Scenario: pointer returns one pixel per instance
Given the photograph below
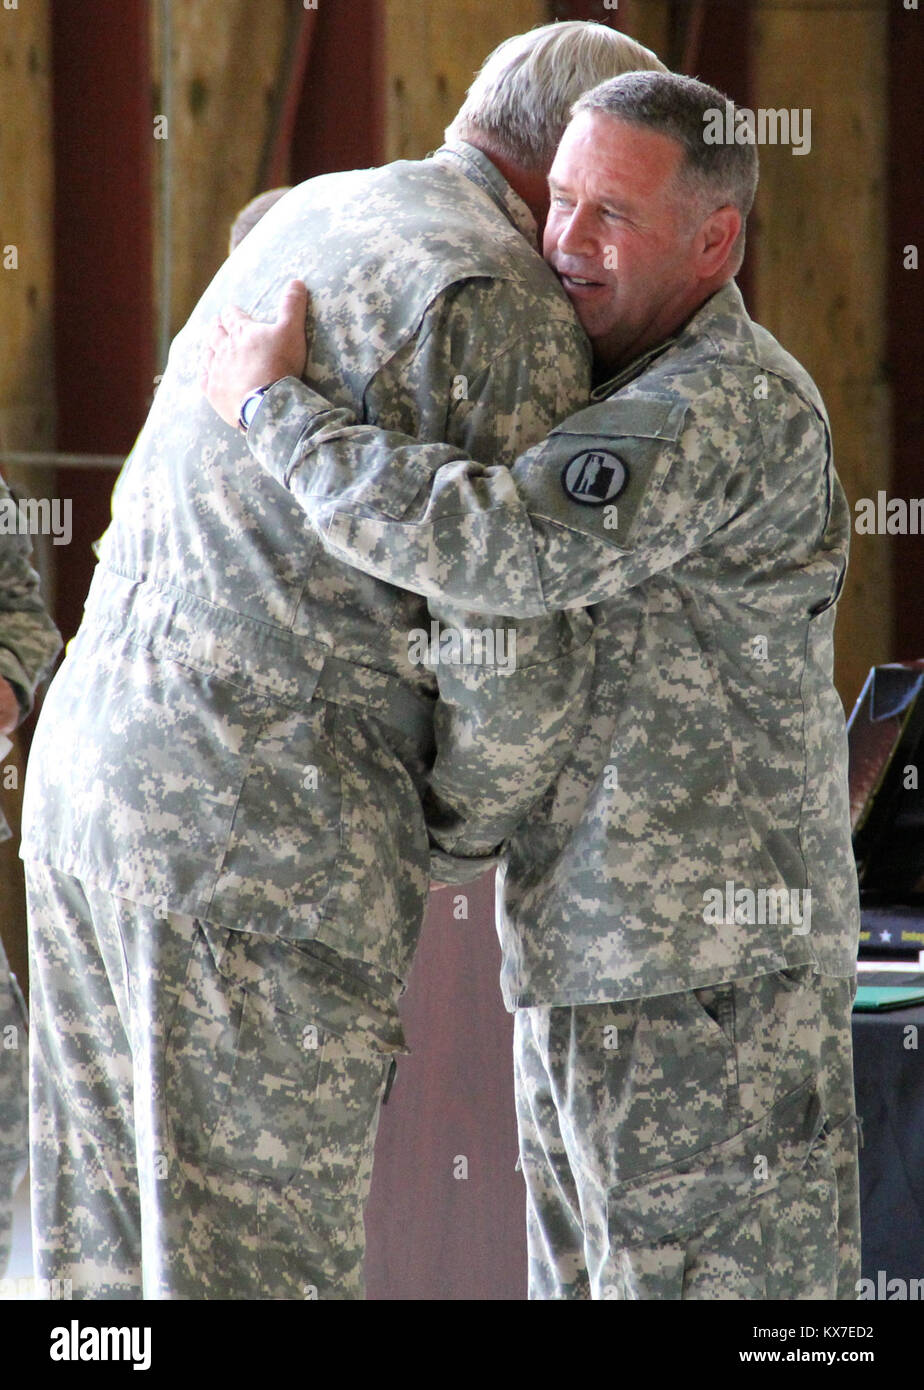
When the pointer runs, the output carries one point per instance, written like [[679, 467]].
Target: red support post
[[104, 322], [340, 123]]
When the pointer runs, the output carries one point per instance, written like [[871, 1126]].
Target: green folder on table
[[873, 998]]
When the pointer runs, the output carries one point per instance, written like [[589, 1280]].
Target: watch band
[[249, 407]]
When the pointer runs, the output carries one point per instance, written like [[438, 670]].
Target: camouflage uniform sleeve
[[508, 710], [29, 640], [618, 492], [503, 732]]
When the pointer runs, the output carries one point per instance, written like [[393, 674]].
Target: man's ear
[[715, 239]]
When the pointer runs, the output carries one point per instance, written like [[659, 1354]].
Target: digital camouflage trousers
[[697, 1145], [204, 1104]]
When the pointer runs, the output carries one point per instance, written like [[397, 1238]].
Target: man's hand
[[9, 707], [242, 354]]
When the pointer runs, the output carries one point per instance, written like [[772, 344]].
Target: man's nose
[[576, 235]]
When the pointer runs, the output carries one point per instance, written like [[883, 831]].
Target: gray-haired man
[[228, 861], [679, 914]]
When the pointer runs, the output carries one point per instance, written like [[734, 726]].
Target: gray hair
[[521, 98], [714, 174]]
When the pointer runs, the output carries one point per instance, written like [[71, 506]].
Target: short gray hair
[[676, 106], [521, 98]]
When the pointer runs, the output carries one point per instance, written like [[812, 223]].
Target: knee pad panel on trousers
[[753, 1218]]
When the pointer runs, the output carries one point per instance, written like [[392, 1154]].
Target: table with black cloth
[[888, 1052]]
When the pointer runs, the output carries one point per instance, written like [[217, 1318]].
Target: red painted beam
[[104, 324], [718, 49], [340, 120]]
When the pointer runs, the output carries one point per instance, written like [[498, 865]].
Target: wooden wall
[[821, 271], [218, 100], [431, 53]]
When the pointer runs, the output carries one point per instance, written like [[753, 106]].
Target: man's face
[[619, 234]]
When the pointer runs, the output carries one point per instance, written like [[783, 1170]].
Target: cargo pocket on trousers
[[247, 1089], [284, 848], [679, 1200]]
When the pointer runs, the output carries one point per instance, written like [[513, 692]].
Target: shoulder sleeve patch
[[601, 470], [594, 477]]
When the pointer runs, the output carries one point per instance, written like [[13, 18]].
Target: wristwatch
[[249, 407]]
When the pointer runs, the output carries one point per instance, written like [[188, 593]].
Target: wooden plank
[[648, 21], [820, 283], [26, 174], [225, 65], [432, 52], [27, 406]]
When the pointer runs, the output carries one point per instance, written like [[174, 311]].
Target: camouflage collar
[[634, 369], [725, 305], [478, 167]]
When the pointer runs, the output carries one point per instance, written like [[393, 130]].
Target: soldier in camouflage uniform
[[29, 643], [679, 914], [227, 857]]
